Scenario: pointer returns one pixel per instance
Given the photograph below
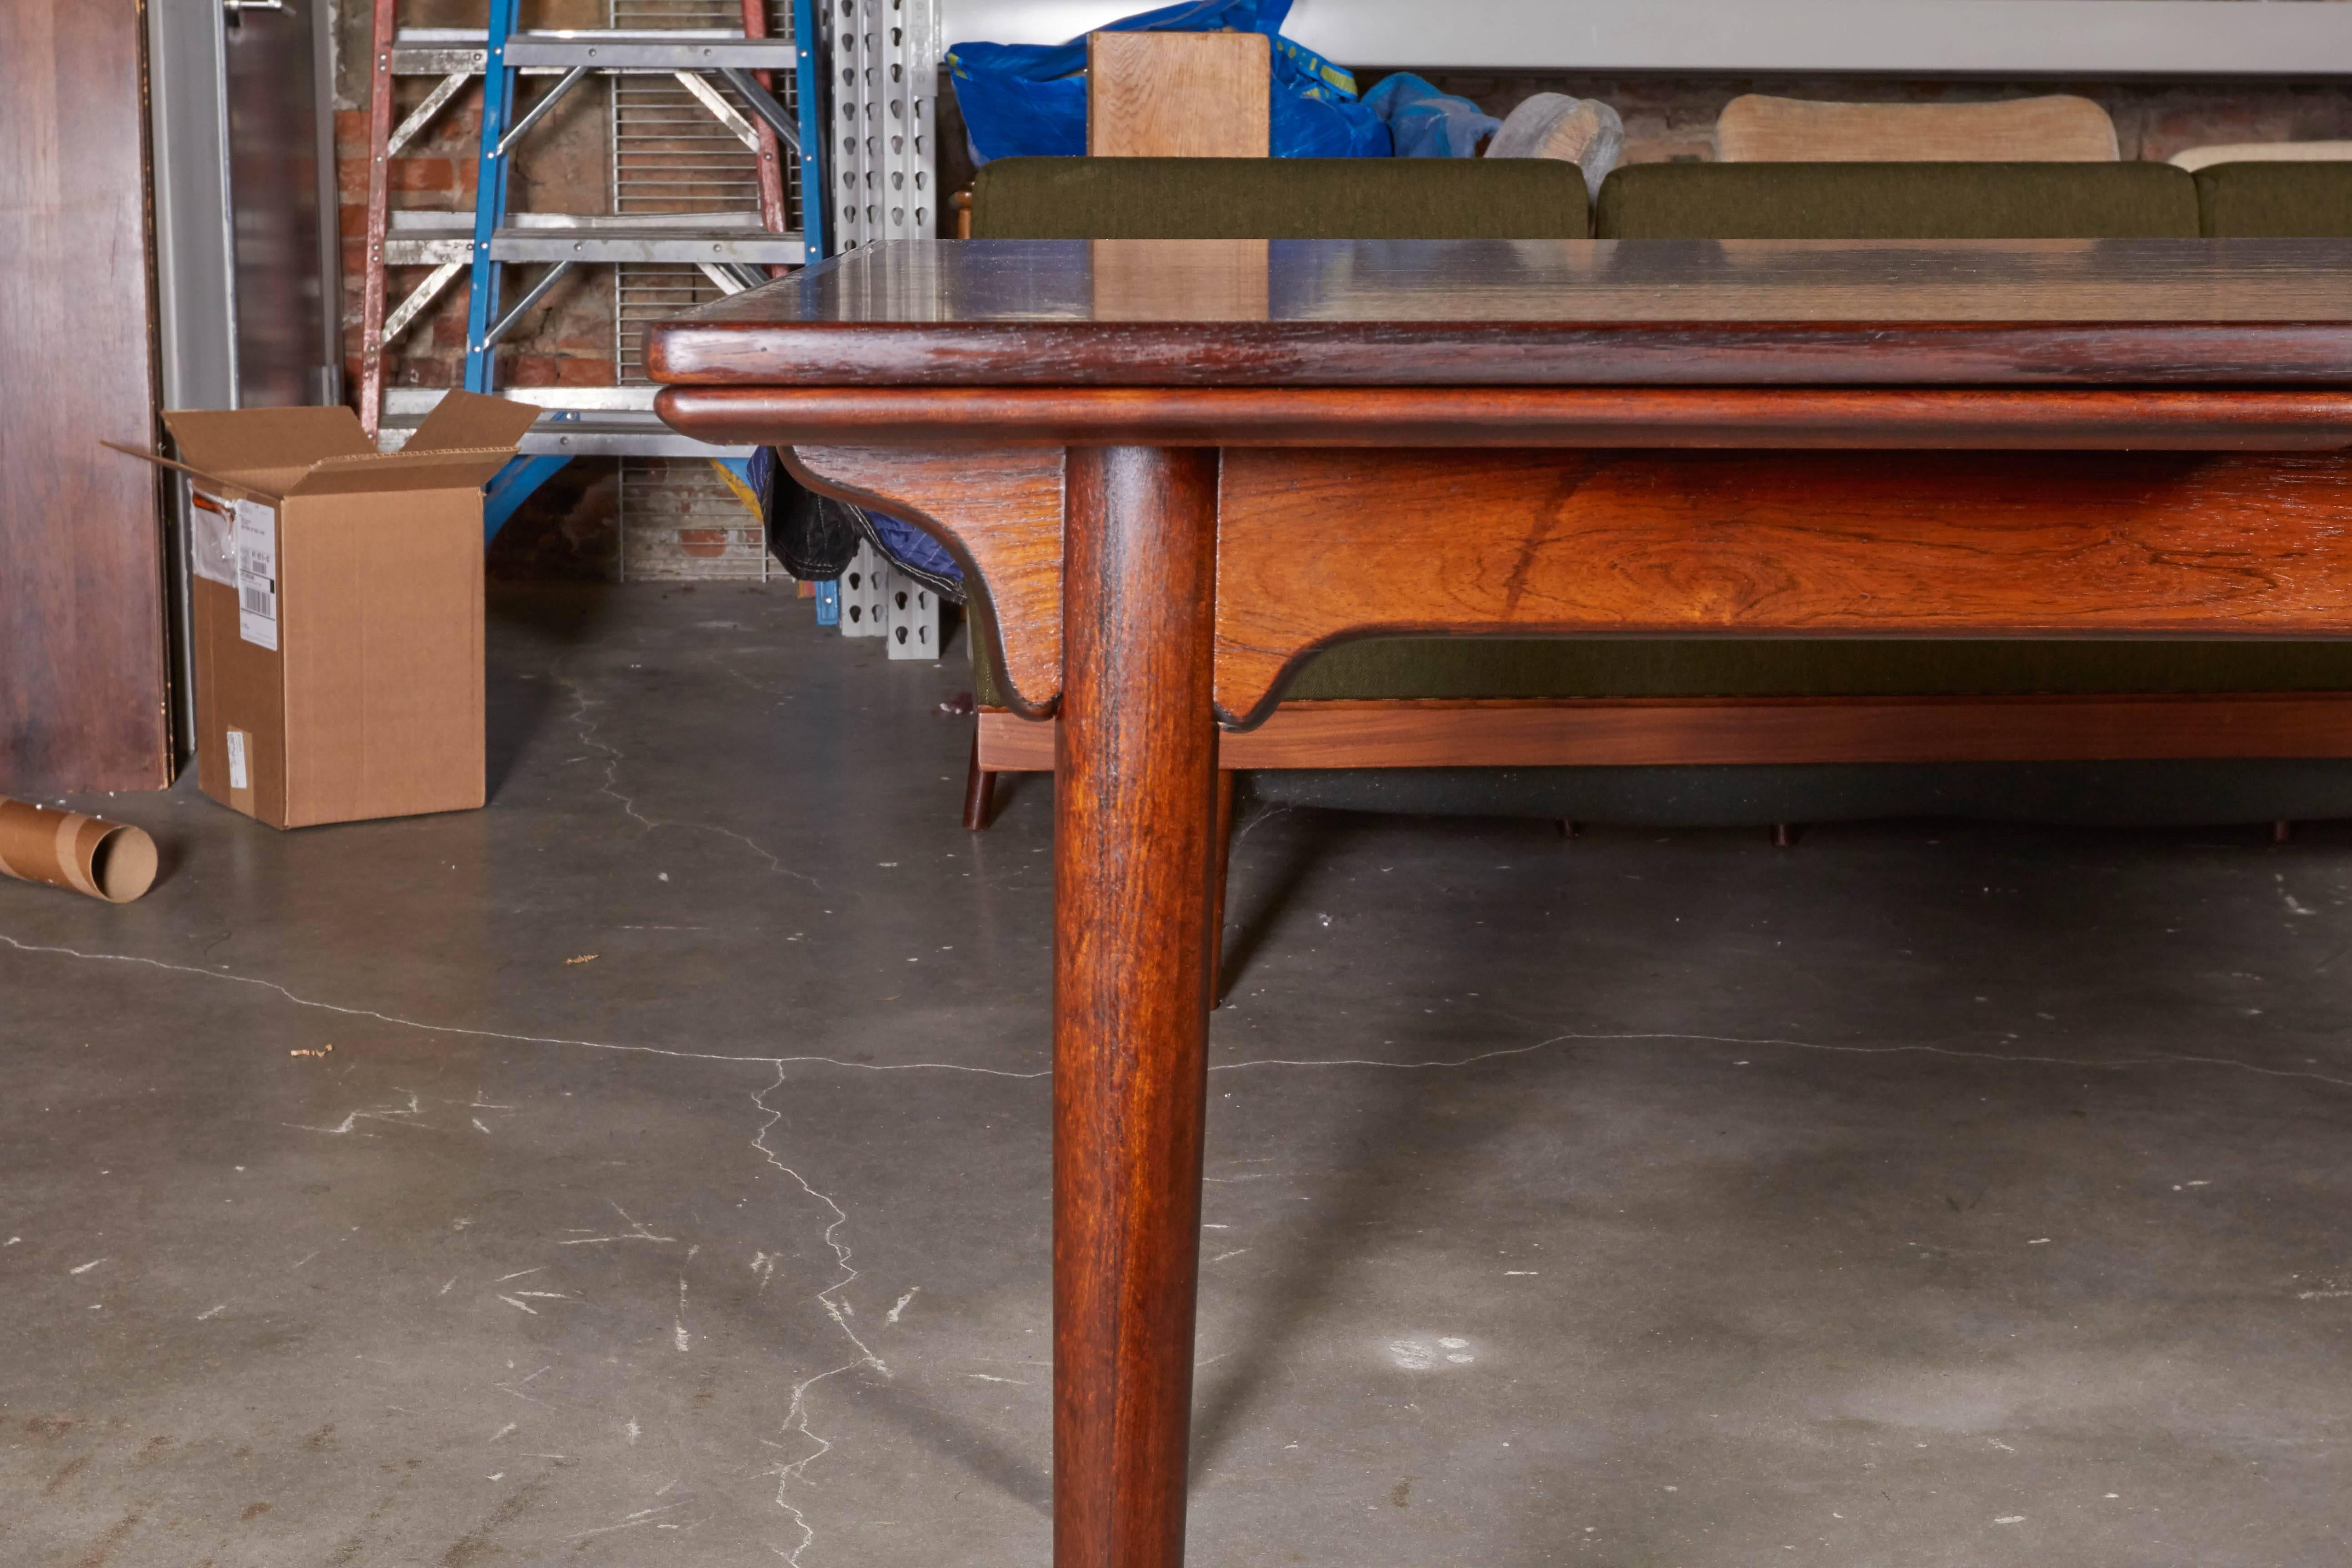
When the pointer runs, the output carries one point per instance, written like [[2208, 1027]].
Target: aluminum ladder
[[734, 250]]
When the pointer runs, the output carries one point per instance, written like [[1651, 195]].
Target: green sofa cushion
[[1663, 666], [2276, 201], [1279, 198], [1898, 201]]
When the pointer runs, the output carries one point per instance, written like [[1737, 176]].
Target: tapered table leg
[[1135, 808]]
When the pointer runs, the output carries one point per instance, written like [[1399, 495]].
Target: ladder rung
[[448, 51], [408, 404], [574, 425], [435, 62], [427, 252], [427, 237], [619, 435], [597, 437], [590, 242], [650, 51], [421, 236]]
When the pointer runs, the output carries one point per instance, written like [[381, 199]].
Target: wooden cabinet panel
[[83, 696]]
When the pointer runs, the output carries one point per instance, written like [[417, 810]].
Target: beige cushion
[[1584, 131], [2196, 158], [2058, 129]]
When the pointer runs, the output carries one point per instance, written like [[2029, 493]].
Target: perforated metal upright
[[881, 150]]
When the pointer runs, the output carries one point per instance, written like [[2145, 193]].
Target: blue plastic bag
[[1030, 99], [1428, 123]]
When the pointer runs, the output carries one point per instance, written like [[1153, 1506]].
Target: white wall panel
[[1999, 37]]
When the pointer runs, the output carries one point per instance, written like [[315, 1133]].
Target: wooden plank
[[83, 697], [1665, 732], [1315, 546], [2048, 419], [1179, 95], [2057, 128]]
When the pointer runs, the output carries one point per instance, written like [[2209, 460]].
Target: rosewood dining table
[[1174, 470]]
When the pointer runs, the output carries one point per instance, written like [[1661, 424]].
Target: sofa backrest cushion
[[1279, 198], [2276, 200], [2055, 128], [1898, 201], [2195, 158]]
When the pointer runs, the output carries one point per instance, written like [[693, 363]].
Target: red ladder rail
[[772, 215], [379, 207]]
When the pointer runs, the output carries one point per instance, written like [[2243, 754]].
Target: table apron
[[1315, 545]]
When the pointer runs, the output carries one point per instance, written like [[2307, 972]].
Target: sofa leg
[[1222, 846], [1786, 834], [978, 790], [2281, 831]]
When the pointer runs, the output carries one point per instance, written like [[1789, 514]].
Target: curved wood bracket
[[999, 513]]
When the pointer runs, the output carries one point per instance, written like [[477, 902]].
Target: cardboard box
[[338, 608]]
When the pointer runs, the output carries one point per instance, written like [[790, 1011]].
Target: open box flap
[[472, 421], [266, 447], [270, 484], [408, 470]]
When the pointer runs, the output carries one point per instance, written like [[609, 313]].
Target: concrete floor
[[652, 1170]]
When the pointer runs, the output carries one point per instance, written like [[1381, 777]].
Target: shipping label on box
[[212, 538], [257, 574]]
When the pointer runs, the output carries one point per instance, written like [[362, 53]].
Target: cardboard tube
[[66, 849]]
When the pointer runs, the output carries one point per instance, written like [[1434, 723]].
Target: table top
[[1534, 312]]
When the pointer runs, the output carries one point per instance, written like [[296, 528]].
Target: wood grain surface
[[1179, 95], [999, 513], [2050, 418], [1681, 731], [2057, 128], [83, 697], [1544, 312], [1133, 842], [1314, 546]]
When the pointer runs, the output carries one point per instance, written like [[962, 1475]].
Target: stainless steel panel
[[281, 183], [192, 241]]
